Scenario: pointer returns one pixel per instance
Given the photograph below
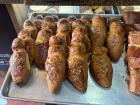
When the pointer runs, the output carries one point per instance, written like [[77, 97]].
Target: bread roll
[[41, 46], [56, 18], [78, 67], [55, 64], [24, 33], [80, 35], [49, 23], [77, 23], [29, 44], [64, 28], [71, 19], [115, 41], [32, 31], [101, 67], [86, 21], [20, 67], [98, 29], [17, 44], [28, 23], [40, 17], [38, 24]]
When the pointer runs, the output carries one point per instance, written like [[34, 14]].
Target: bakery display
[[98, 28], [41, 47], [55, 64], [102, 70], [67, 46], [115, 40], [19, 63]]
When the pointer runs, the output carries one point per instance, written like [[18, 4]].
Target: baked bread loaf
[[49, 23], [80, 35], [41, 46], [98, 28], [78, 59], [86, 21], [78, 23], [56, 18], [28, 23], [19, 63], [37, 23], [55, 64], [40, 17], [71, 19], [78, 66], [17, 44], [64, 28], [115, 41], [101, 68]]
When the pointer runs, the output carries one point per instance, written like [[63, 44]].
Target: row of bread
[[64, 47], [132, 23]]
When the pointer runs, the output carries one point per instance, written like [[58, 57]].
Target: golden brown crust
[[28, 23], [117, 27], [49, 19], [39, 17], [86, 21], [71, 19], [32, 30], [43, 36], [115, 40], [64, 27], [55, 64], [80, 35], [20, 67], [30, 48], [115, 44], [41, 46], [77, 23], [101, 67], [17, 44], [77, 72], [23, 33], [38, 24], [98, 29]]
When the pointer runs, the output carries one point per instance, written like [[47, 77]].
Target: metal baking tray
[[36, 89]]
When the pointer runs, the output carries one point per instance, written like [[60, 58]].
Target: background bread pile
[[65, 48], [132, 21]]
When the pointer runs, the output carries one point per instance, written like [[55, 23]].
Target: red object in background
[[13, 102]]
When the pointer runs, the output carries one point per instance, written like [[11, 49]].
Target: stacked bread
[[132, 22]]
